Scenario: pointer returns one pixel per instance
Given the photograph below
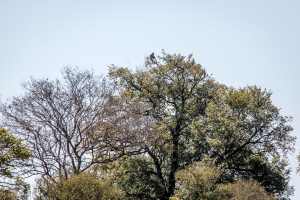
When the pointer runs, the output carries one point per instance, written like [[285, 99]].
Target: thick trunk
[[174, 165]]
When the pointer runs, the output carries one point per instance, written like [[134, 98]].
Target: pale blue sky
[[240, 42]]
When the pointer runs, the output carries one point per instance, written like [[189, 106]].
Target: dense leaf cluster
[[199, 118], [13, 160]]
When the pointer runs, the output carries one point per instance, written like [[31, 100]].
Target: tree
[[13, 159], [201, 181], [87, 185], [175, 93], [248, 190], [246, 134], [198, 117], [71, 125]]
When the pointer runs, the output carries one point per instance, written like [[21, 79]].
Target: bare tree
[[73, 124]]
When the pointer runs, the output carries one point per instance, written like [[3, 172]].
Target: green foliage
[[247, 190], [12, 153], [196, 118], [247, 135], [175, 92], [175, 89], [201, 181], [167, 122], [137, 178], [14, 158], [85, 186]]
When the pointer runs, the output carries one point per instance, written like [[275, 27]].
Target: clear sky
[[240, 42]]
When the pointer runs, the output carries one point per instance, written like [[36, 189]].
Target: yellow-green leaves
[[244, 131], [13, 159], [240, 128], [174, 90], [245, 117], [202, 181], [12, 153], [85, 186], [199, 181]]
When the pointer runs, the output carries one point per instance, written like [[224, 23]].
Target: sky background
[[240, 42]]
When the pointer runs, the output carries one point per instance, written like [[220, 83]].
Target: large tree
[[197, 118], [72, 124], [246, 134], [175, 92]]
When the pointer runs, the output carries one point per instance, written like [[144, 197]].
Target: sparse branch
[[73, 124]]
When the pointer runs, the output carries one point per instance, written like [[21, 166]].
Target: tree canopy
[[199, 118], [150, 131], [73, 124], [88, 185]]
